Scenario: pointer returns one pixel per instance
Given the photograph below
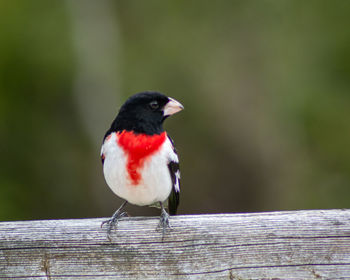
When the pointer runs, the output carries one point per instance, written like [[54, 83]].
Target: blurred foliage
[[265, 84]]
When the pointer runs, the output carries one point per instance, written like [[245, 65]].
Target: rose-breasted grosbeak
[[140, 163]]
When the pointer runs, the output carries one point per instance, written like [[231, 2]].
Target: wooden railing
[[313, 244]]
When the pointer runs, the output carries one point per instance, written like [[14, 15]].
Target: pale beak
[[172, 107]]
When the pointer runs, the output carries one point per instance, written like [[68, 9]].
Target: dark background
[[265, 85]]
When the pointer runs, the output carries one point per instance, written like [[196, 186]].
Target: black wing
[[174, 170]]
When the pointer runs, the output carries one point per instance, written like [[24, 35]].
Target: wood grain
[[312, 244]]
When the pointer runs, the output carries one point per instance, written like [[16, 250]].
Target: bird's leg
[[164, 219], [113, 222]]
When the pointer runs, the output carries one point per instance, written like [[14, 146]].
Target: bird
[[140, 161]]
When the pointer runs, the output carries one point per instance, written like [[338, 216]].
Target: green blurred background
[[265, 85]]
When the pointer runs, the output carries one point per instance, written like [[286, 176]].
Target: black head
[[144, 113]]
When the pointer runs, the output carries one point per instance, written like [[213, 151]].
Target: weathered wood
[[297, 244]]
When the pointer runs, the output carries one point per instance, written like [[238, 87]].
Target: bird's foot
[[164, 222], [113, 222]]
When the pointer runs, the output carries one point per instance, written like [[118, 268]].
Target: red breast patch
[[138, 147]]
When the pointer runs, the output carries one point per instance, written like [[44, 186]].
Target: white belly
[[155, 183]]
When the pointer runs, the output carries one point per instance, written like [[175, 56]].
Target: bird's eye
[[154, 105]]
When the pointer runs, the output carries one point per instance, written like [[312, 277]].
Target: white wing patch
[[177, 182]]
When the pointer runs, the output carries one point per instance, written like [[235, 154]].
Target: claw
[[113, 221], [163, 221]]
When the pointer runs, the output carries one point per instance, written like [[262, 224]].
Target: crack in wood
[[45, 266], [262, 267]]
